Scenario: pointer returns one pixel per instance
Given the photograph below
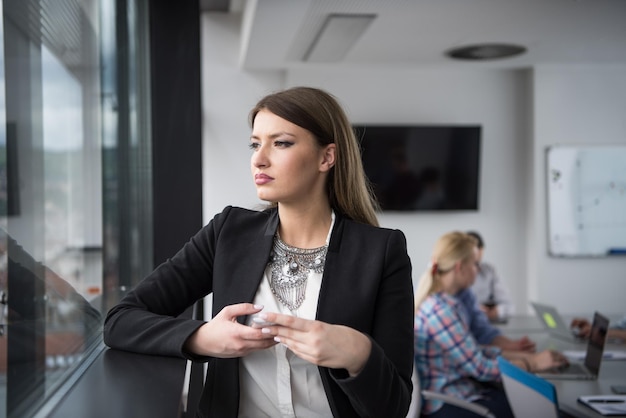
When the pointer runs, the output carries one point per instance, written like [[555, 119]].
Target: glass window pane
[[75, 183], [51, 225]]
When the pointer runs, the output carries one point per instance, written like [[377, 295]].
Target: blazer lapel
[[249, 262], [326, 303]]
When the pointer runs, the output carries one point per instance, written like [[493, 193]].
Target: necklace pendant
[[290, 268]]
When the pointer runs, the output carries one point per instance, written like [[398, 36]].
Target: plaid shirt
[[447, 357]]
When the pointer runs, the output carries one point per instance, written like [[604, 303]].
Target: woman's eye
[[253, 145], [283, 144]]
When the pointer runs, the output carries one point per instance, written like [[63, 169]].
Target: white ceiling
[[406, 33]]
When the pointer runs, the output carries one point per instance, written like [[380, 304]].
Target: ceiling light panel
[[337, 36]]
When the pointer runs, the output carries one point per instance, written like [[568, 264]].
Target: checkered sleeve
[[460, 350], [448, 359]]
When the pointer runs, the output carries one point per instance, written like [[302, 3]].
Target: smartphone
[[260, 323], [619, 389]]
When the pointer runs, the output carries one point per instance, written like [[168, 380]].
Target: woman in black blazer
[[312, 301]]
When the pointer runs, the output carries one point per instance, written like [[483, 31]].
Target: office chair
[[418, 395], [529, 396]]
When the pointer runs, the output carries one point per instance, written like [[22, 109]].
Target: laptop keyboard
[[576, 368]]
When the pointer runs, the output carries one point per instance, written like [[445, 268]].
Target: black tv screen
[[422, 168]]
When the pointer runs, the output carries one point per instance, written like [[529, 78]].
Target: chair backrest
[[529, 395], [418, 395]]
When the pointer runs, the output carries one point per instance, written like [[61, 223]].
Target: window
[[75, 184]]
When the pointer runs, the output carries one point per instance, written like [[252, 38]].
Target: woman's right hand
[[547, 359], [224, 337]]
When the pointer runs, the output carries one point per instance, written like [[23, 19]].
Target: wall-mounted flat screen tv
[[422, 168]]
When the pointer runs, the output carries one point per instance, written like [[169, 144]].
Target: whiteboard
[[586, 200]]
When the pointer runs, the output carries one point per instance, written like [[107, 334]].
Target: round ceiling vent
[[486, 51]]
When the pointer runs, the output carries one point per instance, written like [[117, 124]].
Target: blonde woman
[[447, 357], [312, 300]]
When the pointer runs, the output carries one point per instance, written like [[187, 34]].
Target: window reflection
[[63, 323]]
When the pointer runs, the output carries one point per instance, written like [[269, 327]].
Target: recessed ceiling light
[[485, 51], [337, 35]]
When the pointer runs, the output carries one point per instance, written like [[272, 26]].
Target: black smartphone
[[619, 389]]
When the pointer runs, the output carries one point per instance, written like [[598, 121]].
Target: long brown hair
[[317, 111]]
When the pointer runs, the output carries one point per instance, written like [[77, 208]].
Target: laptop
[[589, 369], [553, 322]]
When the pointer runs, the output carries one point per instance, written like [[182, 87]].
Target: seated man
[[484, 332], [616, 332], [492, 295]]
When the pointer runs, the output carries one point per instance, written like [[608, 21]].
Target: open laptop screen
[[597, 338]]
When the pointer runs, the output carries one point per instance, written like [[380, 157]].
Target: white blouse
[[275, 382]]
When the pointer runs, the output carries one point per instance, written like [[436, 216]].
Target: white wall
[[228, 94], [575, 105], [511, 215], [495, 99]]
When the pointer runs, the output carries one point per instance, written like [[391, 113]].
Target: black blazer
[[366, 285]]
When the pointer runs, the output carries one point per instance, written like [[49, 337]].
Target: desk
[[520, 324], [126, 385], [568, 391], [611, 372]]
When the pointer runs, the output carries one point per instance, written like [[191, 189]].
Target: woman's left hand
[[327, 345]]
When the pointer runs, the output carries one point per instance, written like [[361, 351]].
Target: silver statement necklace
[[290, 268]]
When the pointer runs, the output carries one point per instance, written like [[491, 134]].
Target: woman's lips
[[260, 179]]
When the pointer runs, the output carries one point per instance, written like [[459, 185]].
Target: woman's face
[[288, 166], [468, 270]]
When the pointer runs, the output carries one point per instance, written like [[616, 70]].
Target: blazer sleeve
[[383, 388], [147, 320]]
